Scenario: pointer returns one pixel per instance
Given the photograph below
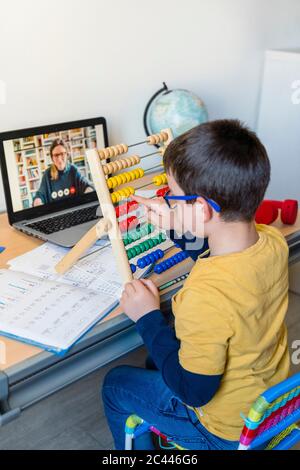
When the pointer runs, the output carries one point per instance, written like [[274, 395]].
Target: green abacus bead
[[146, 244], [162, 237], [150, 228], [138, 250], [151, 243], [129, 254], [136, 236]]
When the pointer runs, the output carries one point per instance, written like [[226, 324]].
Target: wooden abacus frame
[[109, 223]]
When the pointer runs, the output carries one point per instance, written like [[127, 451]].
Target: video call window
[[46, 168]]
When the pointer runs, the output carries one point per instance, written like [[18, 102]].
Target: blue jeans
[[131, 390]]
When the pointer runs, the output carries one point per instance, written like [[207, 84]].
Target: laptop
[[48, 187]]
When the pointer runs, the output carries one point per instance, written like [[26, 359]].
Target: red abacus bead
[[129, 223], [126, 208], [162, 192]]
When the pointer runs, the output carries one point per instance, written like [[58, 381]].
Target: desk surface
[[17, 243]]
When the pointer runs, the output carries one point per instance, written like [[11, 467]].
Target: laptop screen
[[47, 168]]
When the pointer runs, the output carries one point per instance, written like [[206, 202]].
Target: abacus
[[130, 237]]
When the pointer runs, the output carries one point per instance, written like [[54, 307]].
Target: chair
[[270, 424]]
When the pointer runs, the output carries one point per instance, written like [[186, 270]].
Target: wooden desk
[[18, 243], [116, 335]]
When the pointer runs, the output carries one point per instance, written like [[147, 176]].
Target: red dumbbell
[[268, 211]]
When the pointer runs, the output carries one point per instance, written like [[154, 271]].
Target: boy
[[230, 341]]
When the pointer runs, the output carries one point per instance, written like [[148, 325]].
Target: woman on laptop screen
[[61, 179]]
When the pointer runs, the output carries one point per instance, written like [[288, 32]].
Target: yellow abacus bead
[[158, 180], [117, 196], [122, 177], [113, 198], [129, 191], [110, 183], [118, 180], [141, 172]]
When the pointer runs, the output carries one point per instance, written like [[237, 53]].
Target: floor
[[73, 418]]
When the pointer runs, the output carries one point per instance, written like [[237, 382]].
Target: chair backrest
[[272, 417]]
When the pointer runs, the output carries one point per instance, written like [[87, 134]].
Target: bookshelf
[[32, 158]]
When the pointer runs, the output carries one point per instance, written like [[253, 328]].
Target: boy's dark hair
[[222, 160]]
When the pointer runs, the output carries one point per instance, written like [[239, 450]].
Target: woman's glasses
[[192, 197]]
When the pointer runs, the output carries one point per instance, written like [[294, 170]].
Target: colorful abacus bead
[[158, 180], [157, 138], [149, 259], [125, 177], [135, 235], [130, 223], [162, 192], [145, 246], [121, 164], [124, 193], [126, 208], [133, 268], [113, 151], [170, 262]]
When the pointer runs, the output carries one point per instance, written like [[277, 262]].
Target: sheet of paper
[[96, 271], [48, 312]]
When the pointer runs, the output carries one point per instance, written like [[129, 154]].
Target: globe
[[179, 110]]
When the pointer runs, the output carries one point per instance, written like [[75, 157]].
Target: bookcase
[[32, 158]]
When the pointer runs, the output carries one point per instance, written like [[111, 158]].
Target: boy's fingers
[[150, 285], [153, 204], [142, 200], [129, 288]]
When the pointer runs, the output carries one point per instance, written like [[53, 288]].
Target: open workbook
[[53, 312]]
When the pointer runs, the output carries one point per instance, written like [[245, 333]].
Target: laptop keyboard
[[61, 222]]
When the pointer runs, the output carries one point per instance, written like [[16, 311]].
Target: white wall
[[69, 59]]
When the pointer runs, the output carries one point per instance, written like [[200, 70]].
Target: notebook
[[39, 307]]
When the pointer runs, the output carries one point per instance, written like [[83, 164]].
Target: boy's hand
[[139, 298], [157, 211]]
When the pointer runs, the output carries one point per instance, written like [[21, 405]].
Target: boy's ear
[[206, 208]]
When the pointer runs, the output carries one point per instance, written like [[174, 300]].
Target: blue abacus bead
[[152, 257], [142, 263], [172, 261], [156, 255], [160, 253], [168, 263], [159, 269], [133, 268], [148, 260]]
